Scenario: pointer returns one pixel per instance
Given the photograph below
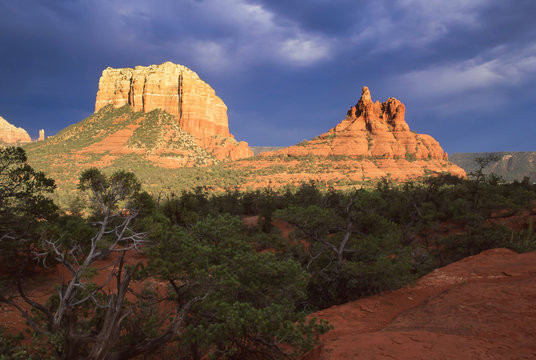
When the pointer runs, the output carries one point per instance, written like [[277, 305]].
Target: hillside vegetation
[[513, 165], [112, 139], [200, 274], [167, 159]]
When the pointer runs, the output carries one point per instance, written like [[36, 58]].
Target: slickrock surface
[[178, 91], [12, 135], [482, 307]]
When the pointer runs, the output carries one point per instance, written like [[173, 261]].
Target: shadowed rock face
[[511, 165], [178, 91], [12, 135]]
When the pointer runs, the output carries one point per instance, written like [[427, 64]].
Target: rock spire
[[377, 135], [373, 129]]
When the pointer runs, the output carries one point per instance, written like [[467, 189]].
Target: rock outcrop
[[481, 307], [178, 91], [12, 135], [41, 135], [373, 129], [375, 141]]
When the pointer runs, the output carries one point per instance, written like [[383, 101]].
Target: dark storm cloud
[[286, 69], [331, 17]]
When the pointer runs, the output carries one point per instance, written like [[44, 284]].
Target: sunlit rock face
[[378, 131], [12, 135], [178, 91], [374, 129]]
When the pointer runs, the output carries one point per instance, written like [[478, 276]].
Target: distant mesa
[[178, 91], [12, 135], [260, 149]]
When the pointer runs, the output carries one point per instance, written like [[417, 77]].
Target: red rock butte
[[373, 141], [12, 135], [372, 129], [178, 91]]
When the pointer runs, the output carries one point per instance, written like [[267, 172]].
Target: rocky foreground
[[482, 307]]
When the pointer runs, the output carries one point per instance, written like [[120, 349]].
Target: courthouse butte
[[180, 92]]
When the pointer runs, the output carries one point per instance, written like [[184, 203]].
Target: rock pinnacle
[[365, 94]]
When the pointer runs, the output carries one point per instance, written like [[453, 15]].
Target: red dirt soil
[[40, 286], [482, 307]]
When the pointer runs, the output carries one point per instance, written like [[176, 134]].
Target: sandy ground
[[482, 307]]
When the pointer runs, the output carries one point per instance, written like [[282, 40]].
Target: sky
[[288, 70]]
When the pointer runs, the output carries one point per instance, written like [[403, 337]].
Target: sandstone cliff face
[[177, 90], [12, 135]]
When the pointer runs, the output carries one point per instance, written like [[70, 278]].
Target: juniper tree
[[85, 319]]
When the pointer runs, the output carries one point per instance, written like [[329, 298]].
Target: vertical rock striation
[[12, 135], [175, 89]]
